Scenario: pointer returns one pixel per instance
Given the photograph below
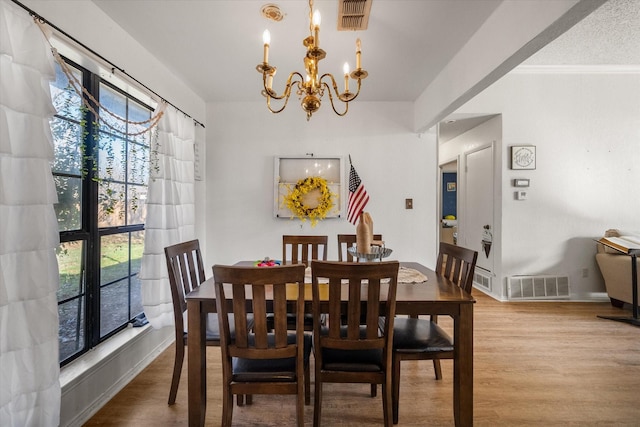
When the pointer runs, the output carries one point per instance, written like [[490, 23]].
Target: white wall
[[586, 128], [393, 162]]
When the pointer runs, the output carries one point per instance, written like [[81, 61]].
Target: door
[[478, 217]]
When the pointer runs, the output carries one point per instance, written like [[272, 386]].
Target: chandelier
[[310, 88]]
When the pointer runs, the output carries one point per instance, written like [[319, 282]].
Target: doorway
[[449, 202]]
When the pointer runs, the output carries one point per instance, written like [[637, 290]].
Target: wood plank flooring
[[536, 364]]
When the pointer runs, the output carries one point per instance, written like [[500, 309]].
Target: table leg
[[463, 367], [197, 367]]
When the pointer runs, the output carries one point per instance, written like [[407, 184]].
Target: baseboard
[[89, 382]]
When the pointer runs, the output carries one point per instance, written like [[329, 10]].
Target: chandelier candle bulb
[[346, 76], [316, 27], [266, 39], [358, 54]]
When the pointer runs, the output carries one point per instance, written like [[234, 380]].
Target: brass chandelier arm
[[346, 103], [345, 96], [271, 94]]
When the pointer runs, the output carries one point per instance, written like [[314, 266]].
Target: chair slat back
[[345, 241], [258, 290], [457, 264], [354, 289], [303, 249], [186, 273]]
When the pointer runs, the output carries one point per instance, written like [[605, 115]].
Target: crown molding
[[576, 69]]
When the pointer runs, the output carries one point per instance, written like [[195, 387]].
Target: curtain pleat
[[29, 367], [170, 212]]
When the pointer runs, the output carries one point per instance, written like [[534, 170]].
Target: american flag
[[358, 197]]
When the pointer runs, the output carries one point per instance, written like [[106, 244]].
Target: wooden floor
[[536, 364]]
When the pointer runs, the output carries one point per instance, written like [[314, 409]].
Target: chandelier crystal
[[310, 88]]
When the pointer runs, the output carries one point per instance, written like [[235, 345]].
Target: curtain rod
[[114, 66]]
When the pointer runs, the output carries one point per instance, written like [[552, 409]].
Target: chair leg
[[227, 407], [307, 384], [374, 390], [248, 399], [240, 399], [437, 368], [387, 402], [317, 402], [177, 369], [395, 399], [300, 404]]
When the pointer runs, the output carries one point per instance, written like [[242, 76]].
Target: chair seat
[[270, 370], [351, 360], [213, 328], [419, 336]]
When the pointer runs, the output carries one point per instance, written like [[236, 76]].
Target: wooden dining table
[[437, 295]]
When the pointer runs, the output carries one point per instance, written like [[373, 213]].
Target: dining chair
[[302, 250], [422, 339], [186, 273], [354, 352], [260, 360], [345, 241]]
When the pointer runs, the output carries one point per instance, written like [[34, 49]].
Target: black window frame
[[90, 233]]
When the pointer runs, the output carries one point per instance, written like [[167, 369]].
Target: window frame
[[90, 233]]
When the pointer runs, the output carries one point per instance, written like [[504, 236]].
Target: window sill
[[100, 354]]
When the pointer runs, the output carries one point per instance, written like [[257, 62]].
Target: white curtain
[[29, 367], [170, 211]]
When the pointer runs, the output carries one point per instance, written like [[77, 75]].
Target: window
[[101, 168]]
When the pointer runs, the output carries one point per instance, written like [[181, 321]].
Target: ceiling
[[215, 45]]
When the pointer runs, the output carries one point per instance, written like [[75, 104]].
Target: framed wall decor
[[451, 186], [325, 173], [523, 157]]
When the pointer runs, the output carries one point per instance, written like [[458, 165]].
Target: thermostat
[[521, 195]]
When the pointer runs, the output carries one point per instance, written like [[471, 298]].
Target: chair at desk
[[186, 273], [354, 352], [346, 241], [421, 339], [260, 360]]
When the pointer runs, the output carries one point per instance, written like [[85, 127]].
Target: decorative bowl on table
[[377, 253]]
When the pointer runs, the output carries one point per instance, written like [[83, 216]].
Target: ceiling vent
[[353, 15]]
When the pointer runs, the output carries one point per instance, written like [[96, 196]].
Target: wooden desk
[[437, 296]]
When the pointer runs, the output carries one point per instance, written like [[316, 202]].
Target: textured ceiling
[[608, 36]]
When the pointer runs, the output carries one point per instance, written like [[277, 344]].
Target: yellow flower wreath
[[297, 201]]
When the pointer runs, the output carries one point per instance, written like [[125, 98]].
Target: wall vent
[[482, 280], [538, 287], [353, 14]]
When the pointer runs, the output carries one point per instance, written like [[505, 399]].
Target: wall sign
[[523, 157]]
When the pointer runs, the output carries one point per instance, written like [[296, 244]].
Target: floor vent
[[482, 280], [538, 287], [353, 14]]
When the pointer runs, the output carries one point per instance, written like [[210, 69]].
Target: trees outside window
[[101, 169]]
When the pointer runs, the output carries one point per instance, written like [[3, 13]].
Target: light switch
[[408, 203]]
